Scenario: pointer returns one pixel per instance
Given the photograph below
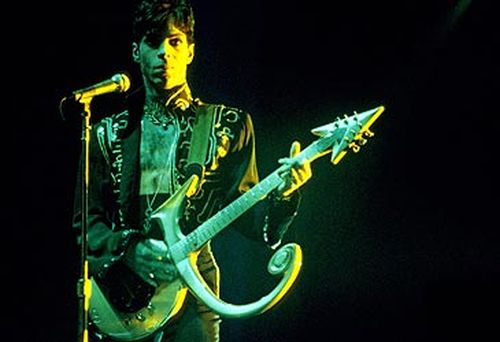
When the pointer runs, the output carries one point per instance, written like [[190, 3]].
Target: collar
[[180, 98], [176, 98]]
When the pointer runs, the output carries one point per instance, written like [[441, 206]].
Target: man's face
[[164, 58]]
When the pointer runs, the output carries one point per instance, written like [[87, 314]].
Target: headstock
[[349, 132]]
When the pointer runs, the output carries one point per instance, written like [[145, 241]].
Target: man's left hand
[[294, 173]]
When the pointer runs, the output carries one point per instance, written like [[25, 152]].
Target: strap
[[199, 139]]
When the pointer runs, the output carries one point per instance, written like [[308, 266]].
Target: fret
[[204, 234]]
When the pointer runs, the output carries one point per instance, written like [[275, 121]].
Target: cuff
[[280, 214]]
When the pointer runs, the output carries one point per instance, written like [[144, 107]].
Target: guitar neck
[[335, 137], [214, 225]]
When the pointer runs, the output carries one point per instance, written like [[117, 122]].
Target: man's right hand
[[149, 259]]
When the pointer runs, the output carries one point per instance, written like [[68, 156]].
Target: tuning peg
[[362, 141], [368, 133], [354, 147]]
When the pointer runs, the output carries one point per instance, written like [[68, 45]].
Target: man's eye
[[175, 41], [154, 40]]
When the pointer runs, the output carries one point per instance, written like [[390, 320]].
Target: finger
[[167, 272], [284, 160], [294, 149], [304, 175], [284, 171], [151, 278], [295, 175], [299, 176], [305, 170], [158, 246], [143, 252]]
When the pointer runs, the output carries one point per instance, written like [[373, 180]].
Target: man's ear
[[135, 52], [191, 53]]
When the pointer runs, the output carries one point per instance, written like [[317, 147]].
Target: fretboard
[[215, 224]]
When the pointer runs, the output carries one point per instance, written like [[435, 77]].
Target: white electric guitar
[[155, 307]]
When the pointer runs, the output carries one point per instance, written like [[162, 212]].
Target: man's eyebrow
[[173, 35]]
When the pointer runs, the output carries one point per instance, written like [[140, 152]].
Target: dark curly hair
[[151, 18]]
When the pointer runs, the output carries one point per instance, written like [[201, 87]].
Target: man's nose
[[164, 49]]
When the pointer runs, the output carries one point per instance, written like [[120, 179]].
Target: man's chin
[[159, 82], [165, 83]]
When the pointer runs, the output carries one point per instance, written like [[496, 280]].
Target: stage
[[400, 241]]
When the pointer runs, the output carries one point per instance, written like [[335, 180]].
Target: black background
[[400, 241]]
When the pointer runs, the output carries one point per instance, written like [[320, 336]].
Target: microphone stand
[[84, 286]]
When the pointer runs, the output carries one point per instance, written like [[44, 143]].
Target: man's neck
[[169, 96]]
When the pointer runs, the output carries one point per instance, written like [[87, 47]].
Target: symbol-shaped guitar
[[349, 132]]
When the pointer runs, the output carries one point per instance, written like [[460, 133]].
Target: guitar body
[[148, 309], [141, 323]]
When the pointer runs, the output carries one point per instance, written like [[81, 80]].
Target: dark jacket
[[115, 213]]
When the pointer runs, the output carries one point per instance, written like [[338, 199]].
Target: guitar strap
[[197, 155]]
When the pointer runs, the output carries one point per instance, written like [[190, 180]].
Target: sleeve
[[271, 217], [106, 243]]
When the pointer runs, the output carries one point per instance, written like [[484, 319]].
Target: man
[[140, 157]]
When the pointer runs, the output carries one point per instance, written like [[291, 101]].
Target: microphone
[[119, 83]]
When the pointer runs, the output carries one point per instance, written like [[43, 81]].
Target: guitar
[[159, 305]]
